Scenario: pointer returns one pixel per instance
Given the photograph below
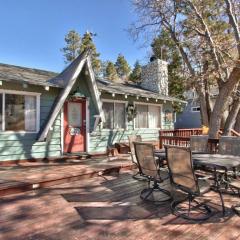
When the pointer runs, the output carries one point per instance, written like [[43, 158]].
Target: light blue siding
[[17, 146]]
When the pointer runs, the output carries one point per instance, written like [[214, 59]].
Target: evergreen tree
[[122, 67], [111, 72], [72, 48], [135, 75], [102, 71], [87, 43]]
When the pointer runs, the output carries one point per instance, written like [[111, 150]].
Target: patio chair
[[199, 143], [183, 178], [150, 168], [131, 139], [230, 146]]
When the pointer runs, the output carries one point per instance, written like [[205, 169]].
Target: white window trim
[[195, 108], [149, 104], [87, 125], [116, 101], [25, 93]]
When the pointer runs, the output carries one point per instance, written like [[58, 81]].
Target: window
[[142, 116], [196, 109], [1, 111], [148, 116], [168, 116], [115, 116], [18, 111]]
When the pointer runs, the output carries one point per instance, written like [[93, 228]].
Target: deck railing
[[181, 132], [181, 137], [235, 133]]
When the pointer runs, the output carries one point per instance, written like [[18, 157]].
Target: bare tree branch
[[209, 39], [234, 23]]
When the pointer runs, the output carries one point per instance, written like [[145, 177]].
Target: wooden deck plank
[[104, 207], [31, 175]]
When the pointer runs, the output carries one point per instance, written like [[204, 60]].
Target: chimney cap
[[153, 58]]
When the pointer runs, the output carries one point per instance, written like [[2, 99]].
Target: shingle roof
[[131, 89], [26, 75], [44, 78]]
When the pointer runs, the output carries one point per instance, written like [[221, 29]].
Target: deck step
[[13, 187], [80, 155]]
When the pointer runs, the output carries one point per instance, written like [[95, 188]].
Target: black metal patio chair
[[155, 175], [183, 178], [229, 145], [199, 143], [135, 138]]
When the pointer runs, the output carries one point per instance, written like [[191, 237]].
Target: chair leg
[[147, 194], [222, 202], [185, 213], [138, 176]]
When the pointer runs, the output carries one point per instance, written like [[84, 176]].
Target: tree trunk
[[237, 123], [203, 109], [203, 105], [224, 118], [221, 101], [208, 100], [231, 119]]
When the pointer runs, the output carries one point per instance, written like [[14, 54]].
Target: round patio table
[[160, 154]]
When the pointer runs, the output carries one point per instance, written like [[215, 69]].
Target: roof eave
[[162, 98]]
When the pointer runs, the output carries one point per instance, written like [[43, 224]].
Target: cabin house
[[190, 117], [45, 114]]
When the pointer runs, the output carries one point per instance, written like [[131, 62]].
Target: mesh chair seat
[[135, 138], [182, 177], [229, 145], [150, 168], [199, 143]]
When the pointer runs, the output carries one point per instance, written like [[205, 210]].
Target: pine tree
[[72, 48], [135, 75], [122, 67], [102, 71], [111, 72], [87, 43]]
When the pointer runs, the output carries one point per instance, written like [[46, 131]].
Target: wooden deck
[[103, 208], [26, 176]]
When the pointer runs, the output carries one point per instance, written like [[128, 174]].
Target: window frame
[[24, 93], [149, 104], [192, 109], [125, 120]]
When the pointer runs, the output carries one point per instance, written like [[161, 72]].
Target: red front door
[[75, 126]]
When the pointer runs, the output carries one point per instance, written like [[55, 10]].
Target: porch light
[[47, 88], [113, 94], [147, 99], [1, 83], [77, 95], [156, 100], [126, 96], [137, 97]]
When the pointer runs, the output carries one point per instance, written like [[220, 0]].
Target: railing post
[[160, 140]]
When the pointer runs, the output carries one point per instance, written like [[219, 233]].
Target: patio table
[[160, 154], [217, 162]]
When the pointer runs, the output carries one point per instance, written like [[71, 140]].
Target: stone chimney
[[155, 76]]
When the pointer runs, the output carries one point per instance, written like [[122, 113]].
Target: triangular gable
[[67, 79]]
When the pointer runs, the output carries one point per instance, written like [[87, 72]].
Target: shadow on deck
[[105, 207]]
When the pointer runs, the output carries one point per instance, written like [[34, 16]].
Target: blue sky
[[32, 31]]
